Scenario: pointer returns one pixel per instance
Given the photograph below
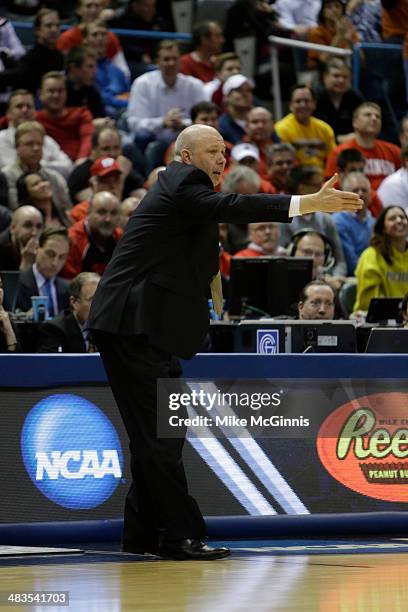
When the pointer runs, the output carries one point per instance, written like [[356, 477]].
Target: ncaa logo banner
[[267, 341], [71, 451]]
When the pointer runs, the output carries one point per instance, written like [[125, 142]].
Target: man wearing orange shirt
[[382, 157]]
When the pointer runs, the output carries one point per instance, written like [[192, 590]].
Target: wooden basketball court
[[324, 583]]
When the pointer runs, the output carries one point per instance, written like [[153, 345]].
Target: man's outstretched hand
[[330, 200]]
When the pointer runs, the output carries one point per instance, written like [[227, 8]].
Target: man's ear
[[186, 156]]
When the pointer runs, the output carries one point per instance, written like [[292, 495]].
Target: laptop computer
[[384, 310], [388, 340]]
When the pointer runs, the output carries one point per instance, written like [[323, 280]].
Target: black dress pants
[[158, 503]]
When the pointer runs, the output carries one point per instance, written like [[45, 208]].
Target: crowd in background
[[88, 120]]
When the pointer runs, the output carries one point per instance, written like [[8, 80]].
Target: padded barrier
[[59, 370], [221, 527]]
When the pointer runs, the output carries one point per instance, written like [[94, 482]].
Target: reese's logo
[[364, 445]]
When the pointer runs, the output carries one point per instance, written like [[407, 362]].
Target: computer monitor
[[382, 310], [287, 277], [265, 337], [388, 340], [248, 295], [10, 280], [321, 336], [267, 286]]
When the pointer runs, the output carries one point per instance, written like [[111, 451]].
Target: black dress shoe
[[182, 550]]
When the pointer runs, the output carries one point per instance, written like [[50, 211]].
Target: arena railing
[[278, 41]]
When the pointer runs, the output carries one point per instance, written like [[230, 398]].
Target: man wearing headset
[[310, 242]]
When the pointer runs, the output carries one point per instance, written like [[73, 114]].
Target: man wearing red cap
[[106, 175]]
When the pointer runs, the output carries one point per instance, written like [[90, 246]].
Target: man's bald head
[[103, 215], [26, 222], [191, 136], [202, 146]]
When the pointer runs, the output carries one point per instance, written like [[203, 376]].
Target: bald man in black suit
[[151, 305]]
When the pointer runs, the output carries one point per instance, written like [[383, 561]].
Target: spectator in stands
[[88, 12], [355, 229], [160, 102], [305, 180], [11, 51], [317, 300], [309, 242], [403, 131], [298, 16], [29, 137], [336, 100], [260, 132], [242, 179], [18, 243], [281, 159], [106, 142], [105, 175], [247, 154], [382, 157], [40, 59], [42, 277], [110, 80], [252, 18], [263, 239], [205, 113], [80, 65], [139, 15], [33, 189], [334, 29], [238, 99], [312, 138], [365, 16], [352, 160], [67, 332], [206, 43], [394, 188], [8, 339], [129, 205], [94, 239], [226, 65], [70, 126], [382, 268], [245, 180], [20, 108]]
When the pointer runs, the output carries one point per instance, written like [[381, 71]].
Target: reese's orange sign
[[364, 445]]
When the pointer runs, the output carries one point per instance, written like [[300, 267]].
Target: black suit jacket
[[157, 280], [61, 335], [27, 287]]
